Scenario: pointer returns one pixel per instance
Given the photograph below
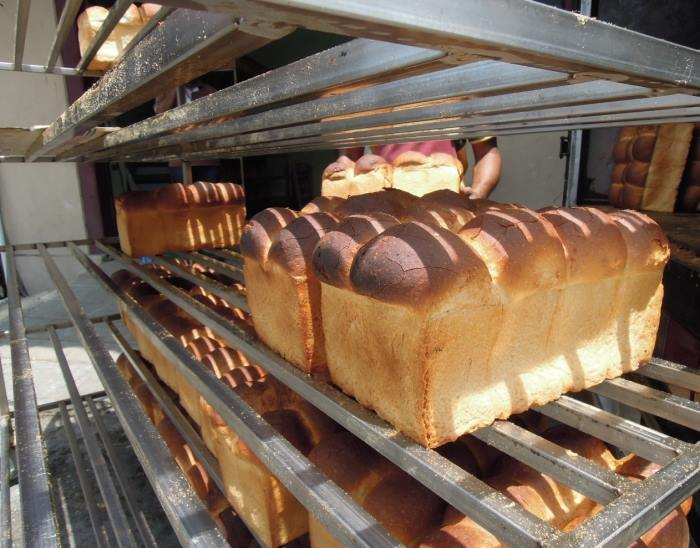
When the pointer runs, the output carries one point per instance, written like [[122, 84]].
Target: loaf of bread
[[690, 197], [557, 504], [415, 516], [180, 217], [649, 164], [90, 21], [562, 301], [412, 172], [258, 497]]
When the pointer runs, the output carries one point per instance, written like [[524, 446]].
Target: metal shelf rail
[[630, 508], [547, 70]]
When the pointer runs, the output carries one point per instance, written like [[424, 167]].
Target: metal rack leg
[[5, 523], [115, 511], [85, 487], [145, 533], [38, 519]]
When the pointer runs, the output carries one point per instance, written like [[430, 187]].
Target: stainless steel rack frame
[[630, 508], [451, 68]]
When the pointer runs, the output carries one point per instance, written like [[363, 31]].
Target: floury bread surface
[[180, 217]]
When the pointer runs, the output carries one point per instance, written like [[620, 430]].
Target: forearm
[[487, 169]]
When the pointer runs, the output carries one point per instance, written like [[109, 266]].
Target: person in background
[[487, 167], [202, 170]]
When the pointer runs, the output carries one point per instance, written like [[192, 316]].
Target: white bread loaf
[[258, 497], [180, 217], [419, 174], [90, 21], [344, 178]]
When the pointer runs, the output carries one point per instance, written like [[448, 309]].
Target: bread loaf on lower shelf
[[180, 217]]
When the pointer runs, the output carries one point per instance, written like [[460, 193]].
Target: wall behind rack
[[39, 201]]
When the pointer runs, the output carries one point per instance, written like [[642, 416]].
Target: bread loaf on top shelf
[[412, 172], [180, 217]]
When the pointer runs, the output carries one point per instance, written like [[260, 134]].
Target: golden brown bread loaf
[[180, 217], [258, 497], [649, 163], [90, 21], [399, 302], [412, 172]]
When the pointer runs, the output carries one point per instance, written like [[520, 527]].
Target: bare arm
[[487, 168]]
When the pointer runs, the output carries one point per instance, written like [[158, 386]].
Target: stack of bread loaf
[[90, 21], [257, 496], [180, 217], [416, 517], [411, 171], [649, 164], [216, 504], [444, 313]]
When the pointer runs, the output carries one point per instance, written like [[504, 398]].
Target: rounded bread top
[[335, 252], [370, 162], [521, 248], [262, 229], [178, 196], [593, 245], [293, 246], [340, 169], [647, 245], [414, 264], [201, 346], [391, 201], [322, 204], [415, 159], [224, 359]]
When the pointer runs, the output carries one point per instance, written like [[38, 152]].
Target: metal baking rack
[[630, 508], [413, 71]]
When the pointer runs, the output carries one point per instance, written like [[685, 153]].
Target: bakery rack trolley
[[413, 71]]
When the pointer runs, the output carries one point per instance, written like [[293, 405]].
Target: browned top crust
[[295, 243], [262, 229], [448, 198], [444, 208], [391, 201], [201, 346], [178, 196], [370, 162], [336, 251], [522, 249], [647, 245], [337, 170], [414, 263], [225, 359], [412, 158], [593, 244], [322, 204]]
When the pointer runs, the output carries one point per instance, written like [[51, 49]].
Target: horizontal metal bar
[[83, 480], [671, 373], [224, 292], [173, 413], [54, 404], [229, 257], [110, 497], [623, 433], [43, 69], [217, 266], [190, 520], [656, 402], [186, 45], [519, 31], [582, 475], [331, 506], [631, 515], [158, 17], [110, 22], [62, 324], [340, 65], [127, 491], [60, 243], [486, 506], [20, 34], [63, 27], [38, 520], [5, 510]]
